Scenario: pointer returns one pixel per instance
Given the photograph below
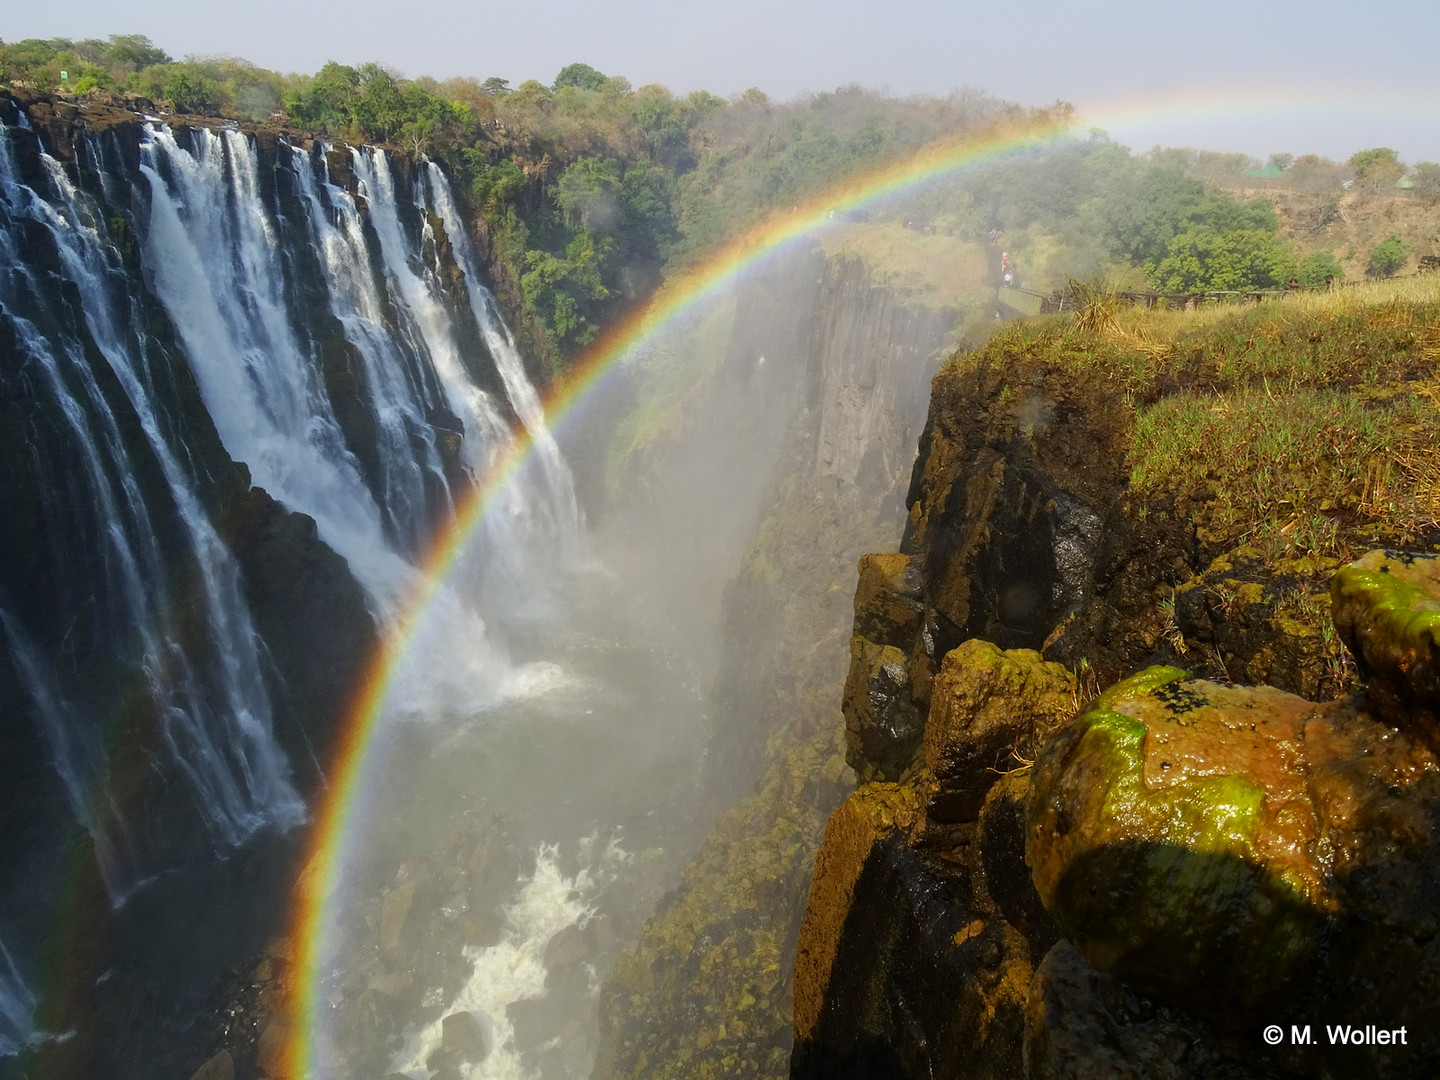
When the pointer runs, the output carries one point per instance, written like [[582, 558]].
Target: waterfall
[[260, 284], [211, 701], [261, 381], [507, 357], [401, 399], [17, 1007]]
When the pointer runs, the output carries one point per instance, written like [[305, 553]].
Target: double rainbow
[[334, 832]]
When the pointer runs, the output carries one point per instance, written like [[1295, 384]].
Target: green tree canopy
[[1387, 257], [1377, 169], [582, 75], [1202, 259], [1319, 265]]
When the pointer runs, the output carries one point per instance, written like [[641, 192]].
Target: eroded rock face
[[989, 710], [1387, 609], [882, 723], [905, 966], [1210, 844]]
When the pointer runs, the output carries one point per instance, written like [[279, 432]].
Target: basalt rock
[[1234, 851], [1082, 1025], [989, 711], [888, 610], [897, 941], [882, 723], [1387, 610]]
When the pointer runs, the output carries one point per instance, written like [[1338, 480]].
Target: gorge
[[419, 665]]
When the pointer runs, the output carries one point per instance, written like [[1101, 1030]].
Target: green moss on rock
[[1386, 607]]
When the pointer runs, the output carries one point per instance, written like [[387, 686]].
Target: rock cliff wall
[[1035, 571]]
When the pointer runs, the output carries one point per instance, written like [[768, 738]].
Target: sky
[[1257, 76]]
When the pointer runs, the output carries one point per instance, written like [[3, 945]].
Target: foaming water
[[261, 381], [513, 969]]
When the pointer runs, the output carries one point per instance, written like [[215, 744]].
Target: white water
[[17, 1008], [215, 255], [513, 970], [507, 357], [213, 707], [407, 458], [228, 748], [521, 525], [261, 386]]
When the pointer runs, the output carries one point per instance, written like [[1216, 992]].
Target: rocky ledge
[[1078, 849]]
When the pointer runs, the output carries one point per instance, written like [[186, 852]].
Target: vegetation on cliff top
[[592, 190], [1310, 423]]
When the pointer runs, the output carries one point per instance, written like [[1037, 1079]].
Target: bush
[[1387, 257], [1319, 265]]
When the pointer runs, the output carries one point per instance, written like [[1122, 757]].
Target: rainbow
[[334, 828]]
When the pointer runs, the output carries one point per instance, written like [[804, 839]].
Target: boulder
[[888, 609], [464, 1034], [1192, 837], [989, 710], [566, 949], [882, 724], [394, 910], [1082, 1025], [1386, 607]]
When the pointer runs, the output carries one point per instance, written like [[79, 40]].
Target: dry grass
[[1302, 425], [930, 269]]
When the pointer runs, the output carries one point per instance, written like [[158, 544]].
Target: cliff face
[[706, 993], [1035, 570]]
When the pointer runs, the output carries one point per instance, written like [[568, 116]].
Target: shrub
[[1387, 257]]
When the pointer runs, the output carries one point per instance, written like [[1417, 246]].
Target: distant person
[[1293, 283], [1009, 277]]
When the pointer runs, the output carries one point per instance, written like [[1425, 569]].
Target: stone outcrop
[[1387, 609], [1203, 858], [1197, 839]]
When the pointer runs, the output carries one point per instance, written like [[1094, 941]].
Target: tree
[[1387, 257], [1377, 169], [1203, 259], [1426, 178], [191, 88], [1319, 265], [587, 193], [1282, 161], [496, 86], [1316, 175], [582, 75]]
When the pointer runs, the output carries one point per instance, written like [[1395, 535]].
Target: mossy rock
[[882, 724], [1185, 833], [989, 708], [1386, 607], [887, 600]]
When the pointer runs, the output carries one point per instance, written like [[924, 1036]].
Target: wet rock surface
[[990, 710], [1186, 834], [1387, 610], [1082, 1025], [1204, 858]]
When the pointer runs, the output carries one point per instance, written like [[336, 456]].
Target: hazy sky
[[1261, 76]]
